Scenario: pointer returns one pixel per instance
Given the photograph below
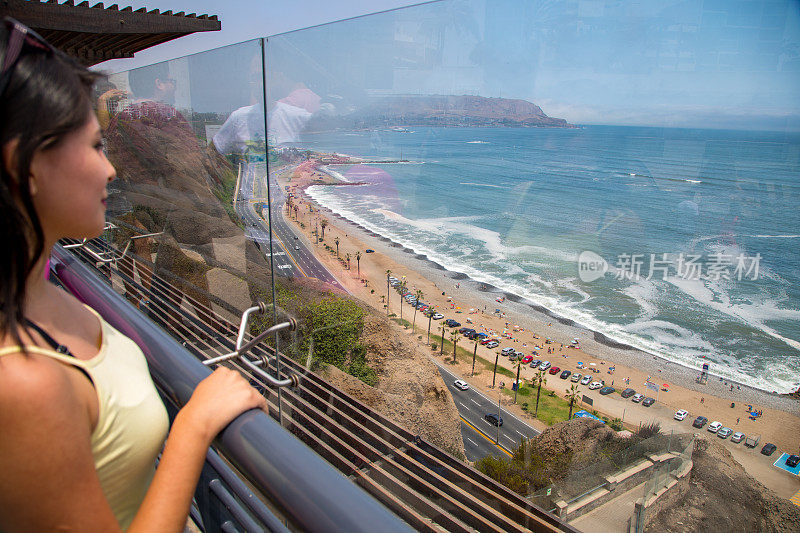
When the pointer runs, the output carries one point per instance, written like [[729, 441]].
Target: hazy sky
[[243, 20], [674, 63]]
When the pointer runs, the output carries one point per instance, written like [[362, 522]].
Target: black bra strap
[[60, 348]]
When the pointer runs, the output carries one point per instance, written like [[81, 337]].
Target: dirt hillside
[[410, 389], [723, 497]]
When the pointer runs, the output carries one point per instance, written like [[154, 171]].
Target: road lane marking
[[473, 401], [462, 405], [485, 436], [476, 445]]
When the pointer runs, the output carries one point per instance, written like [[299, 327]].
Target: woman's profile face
[[69, 184]]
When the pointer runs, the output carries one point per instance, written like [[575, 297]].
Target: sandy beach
[[457, 296]]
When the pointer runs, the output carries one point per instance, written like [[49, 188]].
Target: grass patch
[[552, 409]]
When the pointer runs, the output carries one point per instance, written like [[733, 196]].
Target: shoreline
[[446, 289], [580, 330], [679, 374]]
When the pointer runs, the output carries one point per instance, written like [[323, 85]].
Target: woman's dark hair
[[48, 96]]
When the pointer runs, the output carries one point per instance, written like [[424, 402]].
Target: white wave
[[685, 348], [692, 181], [643, 292], [478, 142], [485, 185], [332, 173]]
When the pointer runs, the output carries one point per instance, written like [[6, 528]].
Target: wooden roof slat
[[94, 32]]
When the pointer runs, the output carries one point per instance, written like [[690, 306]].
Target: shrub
[[616, 425], [434, 346], [648, 430]]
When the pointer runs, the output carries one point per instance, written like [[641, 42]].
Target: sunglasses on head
[[19, 35]]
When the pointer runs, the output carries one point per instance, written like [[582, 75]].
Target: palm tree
[[419, 296], [323, 224], [358, 262], [443, 328], [402, 288], [454, 340], [336, 240], [388, 275], [539, 380], [474, 354], [494, 375], [347, 256], [572, 395], [517, 364], [430, 317]]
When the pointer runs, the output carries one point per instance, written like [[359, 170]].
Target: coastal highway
[[479, 435], [291, 255]]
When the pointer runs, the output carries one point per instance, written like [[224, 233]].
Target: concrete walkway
[[611, 517]]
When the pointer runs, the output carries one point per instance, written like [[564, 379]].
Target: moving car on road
[[699, 422], [461, 385], [494, 419], [627, 393], [681, 414]]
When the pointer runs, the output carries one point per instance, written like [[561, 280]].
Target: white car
[[576, 377], [681, 415], [460, 385], [585, 380], [545, 365], [714, 426], [724, 433], [438, 316], [737, 437], [595, 385]]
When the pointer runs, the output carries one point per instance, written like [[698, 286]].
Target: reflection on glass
[[595, 188]]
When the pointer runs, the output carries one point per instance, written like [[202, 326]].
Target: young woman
[[80, 426]]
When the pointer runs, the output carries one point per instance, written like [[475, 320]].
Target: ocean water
[[699, 230]]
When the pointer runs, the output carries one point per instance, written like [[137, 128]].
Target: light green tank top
[[132, 423]]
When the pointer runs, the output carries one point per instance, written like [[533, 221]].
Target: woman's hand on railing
[[219, 399]]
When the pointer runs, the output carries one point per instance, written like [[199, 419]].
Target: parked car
[[527, 359], [595, 385], [627, 393], [576, 377], [768, 449], [714, 426], [737, 437], [555, 370], [464, 330], [494, 419], [438, 316], [513, 356], [461, 385], [605, 391], [452, 323], [535, 363], [699, 422], [681, 414], [792, 461], [492, 344], [565, 374], [647, 402], [545, 365], [724, 433], [507, 350], [637, 398], [585, 380]]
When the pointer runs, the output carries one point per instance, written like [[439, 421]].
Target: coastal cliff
[[441, 110]]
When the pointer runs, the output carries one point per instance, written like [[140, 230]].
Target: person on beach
[[80, 419]]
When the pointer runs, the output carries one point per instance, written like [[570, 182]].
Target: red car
[[555, 370], [527, 359], [487, 340]]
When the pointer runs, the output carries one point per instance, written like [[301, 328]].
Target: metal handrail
[[302, 485]]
